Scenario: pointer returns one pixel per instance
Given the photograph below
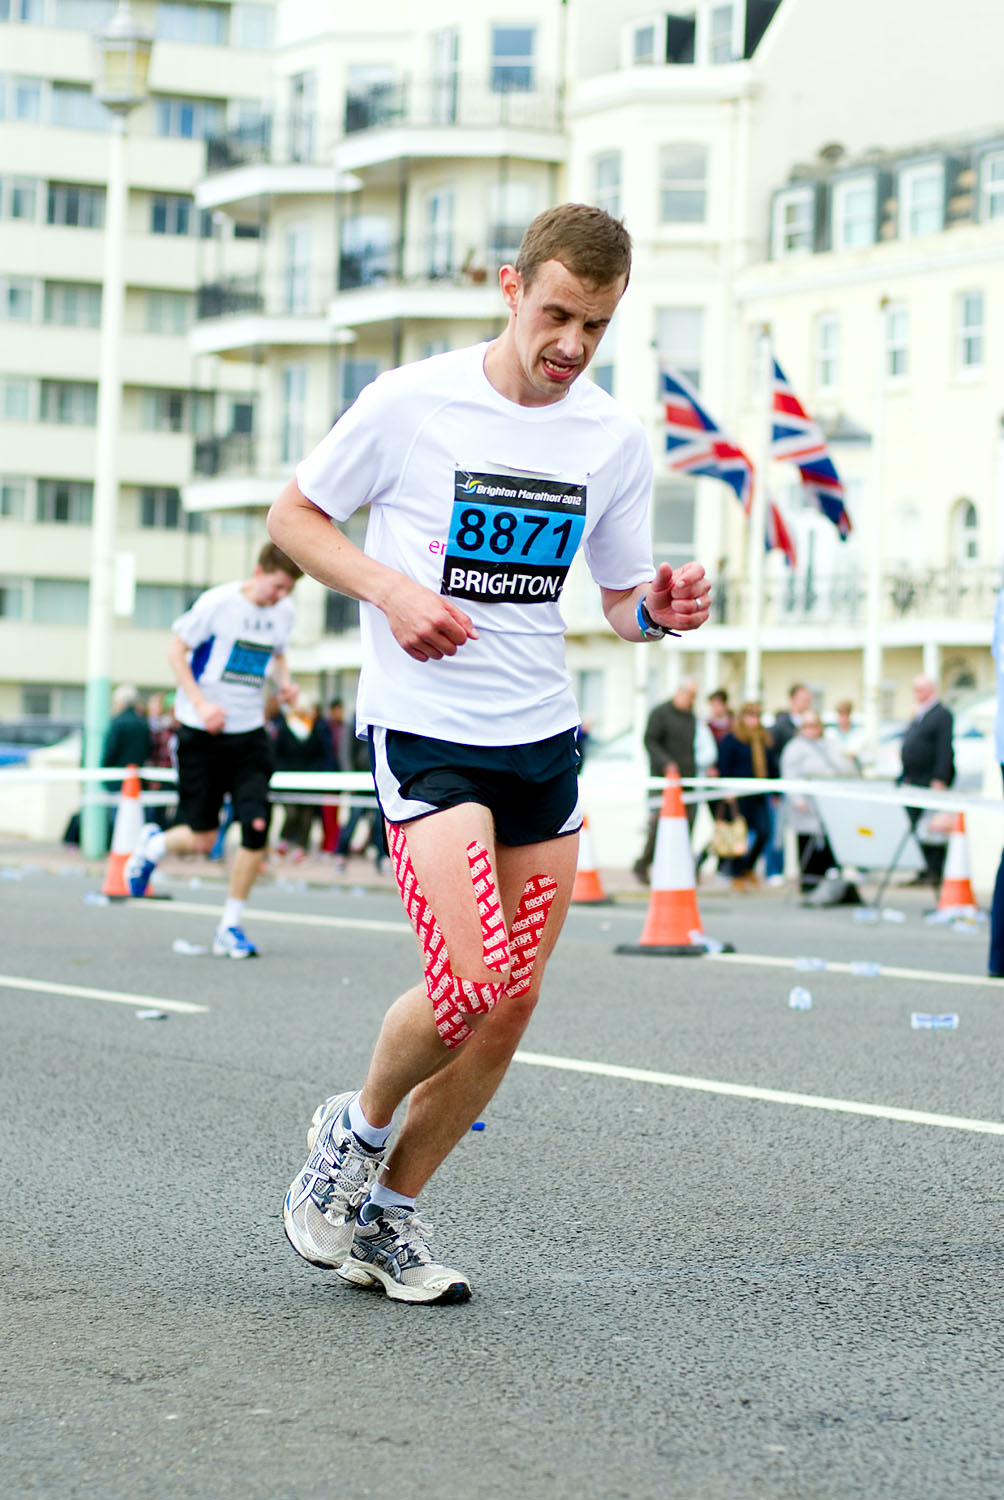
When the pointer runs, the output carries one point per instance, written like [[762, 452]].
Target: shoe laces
[[411, 1234], [342, 1172]]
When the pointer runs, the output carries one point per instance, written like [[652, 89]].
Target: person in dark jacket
[[669, 740], [749, 751], [928, 759], [128, 741], [299, 746]]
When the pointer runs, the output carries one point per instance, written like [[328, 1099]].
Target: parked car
[[19, 737]]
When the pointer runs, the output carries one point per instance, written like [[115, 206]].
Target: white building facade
[[361, 182]]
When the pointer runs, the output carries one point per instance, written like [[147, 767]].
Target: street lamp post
[[123, 62]]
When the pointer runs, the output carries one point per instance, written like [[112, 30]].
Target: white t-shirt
[[231, 644], [487, 502]]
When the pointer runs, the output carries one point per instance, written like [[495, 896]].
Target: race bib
[[512, 538], [247, 663]]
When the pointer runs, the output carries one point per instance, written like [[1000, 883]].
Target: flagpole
[[872, 653], [758, 514]]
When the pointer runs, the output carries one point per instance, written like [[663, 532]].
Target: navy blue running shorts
[[531, 791]]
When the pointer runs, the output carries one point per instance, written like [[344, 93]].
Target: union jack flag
[[695, 444], [796, 439]]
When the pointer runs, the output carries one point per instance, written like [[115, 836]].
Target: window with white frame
[[720, 34], [293, 387], [445, 50], [19, 198], [172, 213], [512, 60], [17, 299], [827, 351], [77, 107], [59, 601], [251, 27], [68, 403], [16, 398], [511, 206], [970, 336], [22, 100], [158, 605], [188, 119], [683, 184], [603, 375], [296, 269], [854, 204], [13, 592], [679, 337], [80, 15], [673, 514], [170, 411], [794, 222], [75, 204], [645, 43], [201, 24], [13, 497], [897, 340], [356, 374], [606, 175], [992, 185], [439, 208], [64, 502], [921, 199], [168, 312], [302, 108], [965, 534], [160, 508], [72, 304]]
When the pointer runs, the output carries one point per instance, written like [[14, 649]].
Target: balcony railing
[[299, 293], [283, 140], [232, 453], [805, 597], [465, 101], [423, 262]]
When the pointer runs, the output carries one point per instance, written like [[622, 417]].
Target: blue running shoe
[[318, 1214], [233, 942], [139, 866]]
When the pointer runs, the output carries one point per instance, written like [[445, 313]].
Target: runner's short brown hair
[[590, 243], [271, 559]]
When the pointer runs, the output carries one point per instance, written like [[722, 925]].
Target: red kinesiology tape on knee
[[527, 927], [453, 999]]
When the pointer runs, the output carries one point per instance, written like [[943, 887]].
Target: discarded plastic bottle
[[800, 999], [864, 968], [921, 1022], [191, 950], [808, 965], [866, 914]]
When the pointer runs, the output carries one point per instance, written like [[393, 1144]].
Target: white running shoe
[[233, 942], [392, 1250], [319, 1212], [139, 866]]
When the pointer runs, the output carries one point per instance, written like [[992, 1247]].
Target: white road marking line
[[84, 992], [302, 919], [770, 1096], [887, 971]]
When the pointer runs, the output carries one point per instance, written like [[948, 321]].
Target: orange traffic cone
[[956, 888], [125, 836], [588, 888], [673, 925]]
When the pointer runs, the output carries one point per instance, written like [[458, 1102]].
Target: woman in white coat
[[806, 757]]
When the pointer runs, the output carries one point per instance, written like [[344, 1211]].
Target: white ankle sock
[[374, 1135], [233, 910], [155, 847], [385, 1197]]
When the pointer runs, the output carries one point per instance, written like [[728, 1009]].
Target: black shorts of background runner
[[530, 790], [210, 765]]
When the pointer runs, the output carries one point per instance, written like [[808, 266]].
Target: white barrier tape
[[712, 789]]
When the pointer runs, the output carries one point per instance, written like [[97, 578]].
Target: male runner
[[484, 470], [222, 651]]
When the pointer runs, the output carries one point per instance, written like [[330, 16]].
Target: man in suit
[[928, 760]]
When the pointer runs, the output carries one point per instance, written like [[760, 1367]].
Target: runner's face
[[557, 324], [269, 588]]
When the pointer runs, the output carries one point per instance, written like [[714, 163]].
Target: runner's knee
[[253, 832], [455, 1000]]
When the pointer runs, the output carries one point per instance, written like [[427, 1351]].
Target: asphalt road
[[682, 1291]]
